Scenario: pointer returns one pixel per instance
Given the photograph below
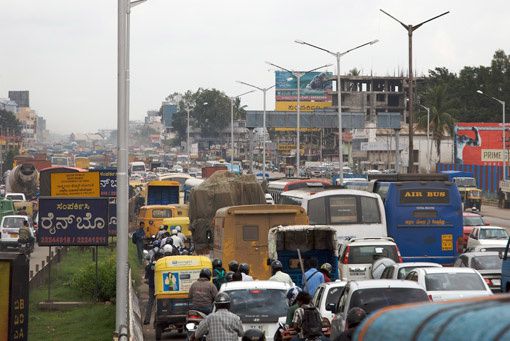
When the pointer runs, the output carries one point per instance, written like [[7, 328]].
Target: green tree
[[441, 121], [8, 160], [9, 124]]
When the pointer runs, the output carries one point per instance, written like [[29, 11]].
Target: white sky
[[65, 51]]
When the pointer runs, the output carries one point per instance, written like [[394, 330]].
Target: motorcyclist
[[149, 277], [219, 274], [161, 232], [233, 266], [24, 234], [222, 324], [169, 249], [354, 318], [202, 292], [292, 294], [244, 269], [180, 234], [326, 270], [279, 275], [178, 242]]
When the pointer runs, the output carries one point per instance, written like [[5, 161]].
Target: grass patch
[[92, 322]]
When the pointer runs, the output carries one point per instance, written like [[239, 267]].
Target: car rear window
[[364, 254], [13, 222], [334, 295], [376, 298], [403, 272], [473, 221], [491, 262], [263, 304], [453, 281]]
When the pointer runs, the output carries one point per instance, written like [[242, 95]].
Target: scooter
[[193, 319]]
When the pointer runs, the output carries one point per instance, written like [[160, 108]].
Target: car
[[488, 264], [372, 295], [487, 236], [269, 199], [444, 284], [9, 228], [488, 248], [400, 270], [325, 294], [358, 254], [260, 304], [471, 220]]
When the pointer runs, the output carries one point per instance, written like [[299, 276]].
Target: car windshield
[[453, 281], [493, 234], [334, 295], [376, 298], [473, 221], [258, 303], [365, 254], [403, 272], [491, 262], [13, 222]]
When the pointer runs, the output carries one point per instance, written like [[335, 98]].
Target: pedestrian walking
[[137, 238]]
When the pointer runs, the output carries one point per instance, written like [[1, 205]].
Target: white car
[[487, 236], [400, 270], [444, 284], [9, 228], [325, 294], [358, 254], [372, 295], [260, 304], [269, 199]]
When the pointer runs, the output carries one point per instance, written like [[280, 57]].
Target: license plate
[[13, 235], [257, 326], [496, 282]]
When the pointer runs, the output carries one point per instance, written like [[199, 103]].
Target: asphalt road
[[497, 216]]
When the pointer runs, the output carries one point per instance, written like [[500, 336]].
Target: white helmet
[[178, 228], [168, 249], [174, 232]]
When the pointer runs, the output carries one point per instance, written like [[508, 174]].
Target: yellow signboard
[[5, 274], [447, 242], [81, 184], [304, 105]]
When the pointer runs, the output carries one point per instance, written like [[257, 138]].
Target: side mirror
[[331, 307]]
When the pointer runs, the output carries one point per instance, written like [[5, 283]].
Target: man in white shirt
[[279, 275]]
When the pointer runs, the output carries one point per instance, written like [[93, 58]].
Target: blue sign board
[[112, 216], [72, 221], [108, 182]]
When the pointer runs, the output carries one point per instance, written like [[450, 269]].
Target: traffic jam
[[317, 258]]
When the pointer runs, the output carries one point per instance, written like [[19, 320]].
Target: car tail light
[[430, 298], [488, 281], [400, 260], [345, 260], [460, 245]]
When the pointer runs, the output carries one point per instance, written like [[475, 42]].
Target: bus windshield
[[344, 209]]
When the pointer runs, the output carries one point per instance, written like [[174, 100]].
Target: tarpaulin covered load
[[221, 189]]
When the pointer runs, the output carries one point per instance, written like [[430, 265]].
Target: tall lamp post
[[428, 136], [298, 75], [410, 29], [505, 155], [338, 55], [264, 91], [232, 99]]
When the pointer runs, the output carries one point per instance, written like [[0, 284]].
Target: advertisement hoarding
[[108, 183], [315, 88], [73, 221], [81, 184], [479, 143]]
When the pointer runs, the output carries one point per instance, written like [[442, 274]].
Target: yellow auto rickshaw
[[173, 276]]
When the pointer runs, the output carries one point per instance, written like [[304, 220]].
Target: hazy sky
[[65, 51]]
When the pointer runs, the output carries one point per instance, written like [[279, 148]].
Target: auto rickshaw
[[173, 278]]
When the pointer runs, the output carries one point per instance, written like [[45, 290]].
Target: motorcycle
[[193, 319]]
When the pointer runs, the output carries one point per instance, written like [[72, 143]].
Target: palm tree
[[441, 121]]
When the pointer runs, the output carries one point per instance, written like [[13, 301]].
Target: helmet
[[178, 228], [166, 234], [162, 227], [205, 273], [216, 263], [292, 294], [276, 265], [327, 267], [156, 243], [229, 276], [168, 250], [244, 268], [184, 252], [254, 335], [222, 300], [355, 316], [174, 232], [233, 265]]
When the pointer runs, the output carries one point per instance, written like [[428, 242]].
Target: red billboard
[[480, 143]]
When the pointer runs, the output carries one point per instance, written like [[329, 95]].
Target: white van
[[137, 167]]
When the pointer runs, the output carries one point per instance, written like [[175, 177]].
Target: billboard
[[479, 143], [108, 182], [315, 91], [81, 184], [73, 221]]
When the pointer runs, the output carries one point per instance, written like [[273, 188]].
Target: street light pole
[[298, 75], [410, 29], [338, 55], [232, 124], [264, 90], [505, 154], [188, 109], [428, 136]]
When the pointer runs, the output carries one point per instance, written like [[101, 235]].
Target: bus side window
[[317, 211], [370, 210]]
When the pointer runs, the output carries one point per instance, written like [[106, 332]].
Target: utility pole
[[410, 29]]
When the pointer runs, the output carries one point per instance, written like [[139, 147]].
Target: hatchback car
[[325, 294], [358, 254], [471, 220], [400, 270], [444, 284], [259, 304], [487, 236], [9, 228], [488, 264], [372, 295]]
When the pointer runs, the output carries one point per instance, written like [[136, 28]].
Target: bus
[[353, 213], [425, 220], [295, 196], [137, 167], [275, 188]]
